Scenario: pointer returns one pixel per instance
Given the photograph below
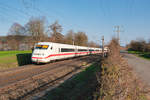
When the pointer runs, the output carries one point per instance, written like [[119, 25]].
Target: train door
[[52, 51], [76, 51]]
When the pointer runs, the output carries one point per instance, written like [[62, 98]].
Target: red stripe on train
[[61, 55]]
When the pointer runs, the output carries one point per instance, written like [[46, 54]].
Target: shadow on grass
[[147, 56], [82, 86], [24, 59]]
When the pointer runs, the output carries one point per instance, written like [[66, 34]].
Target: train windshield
[[41, 46]]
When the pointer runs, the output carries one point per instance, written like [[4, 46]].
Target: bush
[[24, 59], [116, 80], [139, 45]]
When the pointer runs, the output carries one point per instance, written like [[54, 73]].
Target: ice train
[[48, 51]]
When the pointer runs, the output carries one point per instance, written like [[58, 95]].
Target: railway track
[[22, 82]]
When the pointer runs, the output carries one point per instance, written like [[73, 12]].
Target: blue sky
[[95, 17]]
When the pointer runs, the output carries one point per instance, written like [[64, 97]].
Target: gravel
[[140, 65]]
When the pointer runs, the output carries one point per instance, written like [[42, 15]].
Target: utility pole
[[118, 33], [103, 45]]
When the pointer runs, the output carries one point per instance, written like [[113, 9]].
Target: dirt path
[[140, 65]]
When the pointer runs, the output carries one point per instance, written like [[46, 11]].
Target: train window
[[67, 50], [82, 49], [41, 46], [91, 50], [45, 46]]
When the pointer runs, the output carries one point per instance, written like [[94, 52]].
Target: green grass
[[134, 52], [10, 53], [145, 55], [8, 59], [80, 87]]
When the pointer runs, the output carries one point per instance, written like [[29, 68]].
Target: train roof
[[47, 43]]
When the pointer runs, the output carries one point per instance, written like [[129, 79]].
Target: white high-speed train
[[47, 51]]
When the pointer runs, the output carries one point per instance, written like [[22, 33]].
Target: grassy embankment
[[80, 87], [145, 55], [117, 79], [8, 59]]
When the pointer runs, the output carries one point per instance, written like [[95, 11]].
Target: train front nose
[[40, 53], [39, 57]]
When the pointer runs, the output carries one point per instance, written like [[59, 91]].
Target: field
[[8, 59], [145, 55]]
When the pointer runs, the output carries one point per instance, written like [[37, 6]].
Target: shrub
[[24, 59]]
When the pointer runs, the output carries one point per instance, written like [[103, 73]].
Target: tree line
[[37, 29], [139, 45]]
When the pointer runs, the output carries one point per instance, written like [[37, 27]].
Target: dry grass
[[117, 80]]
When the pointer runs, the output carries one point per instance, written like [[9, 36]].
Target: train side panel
[[56, 51]]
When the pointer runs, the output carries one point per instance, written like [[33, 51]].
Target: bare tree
[[81, 39], [93, 44], [16, 35], [56, 30], [16, 29], [69, 37], [138, 45], [36, 28]]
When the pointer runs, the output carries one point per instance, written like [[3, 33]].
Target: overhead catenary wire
[[14, 8], [5, 15], [14, 13], [9, 13], [131, 6]]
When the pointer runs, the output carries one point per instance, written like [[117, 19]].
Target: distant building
[[5, 45]]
